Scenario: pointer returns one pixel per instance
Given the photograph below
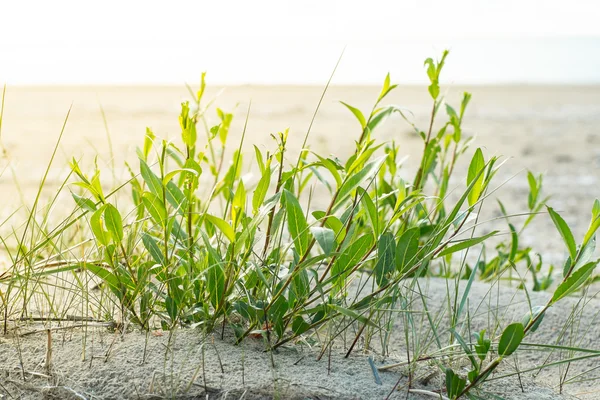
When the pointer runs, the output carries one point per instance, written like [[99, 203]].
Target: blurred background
[[533, 68], [285, 42]]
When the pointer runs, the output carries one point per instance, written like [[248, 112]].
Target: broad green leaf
[[152, 246], [215, 283], [381, 114], [297, 225], [173, 173], [174, 195], [474, 175], [154, 183], [585, 254], [564, 231], [113, 282], [386, 258], [155, 208], [594, 224], [332, 168], [407, 249], [357, 113], [299, 326], [483, 345], [188, 134], [113, 221], [332, 222], [82, 202], [529, 316], [238, 204], [454, 384], [363, 176], [511, 339], [464, 103], [259, 159], [325, 237], [148, 140], [574, 282], [223, 129], [370, 208], [386, 88], [351, 256], [97, 224], [261, 189], [223, 226], [171, 307], [533, 190], [465, 244]]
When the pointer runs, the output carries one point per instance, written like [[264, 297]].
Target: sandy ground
[[110, 366], [553, 130]]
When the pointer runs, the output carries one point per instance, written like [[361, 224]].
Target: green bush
[[201, 247]]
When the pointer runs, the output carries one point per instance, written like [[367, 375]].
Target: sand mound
[[99, 364]]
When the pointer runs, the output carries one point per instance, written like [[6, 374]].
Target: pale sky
[[264, 41]]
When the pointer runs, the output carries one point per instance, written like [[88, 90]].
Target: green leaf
[[259, 159], [297, 225], [351, 256], [514, 244], [574, 281], [238, 204], [483, 345], [152, 246], [113, 222], [332, 168], [407, 249], [454, 384], [529, 316], [511, 339], [354, 315], [223, 226], [386, 249], [82, 202], [155, 208], [171, 307], [474, 174], [363, 176], [369, 206], [299, 326], [148, 140], [215, 283], [465, 244], [261, 189], [173, 173], [325, 237], [173, 194], [332, 223], [533, 190], [113, 282], [564, 231], [97, 224], [357, 113], [594, 224]]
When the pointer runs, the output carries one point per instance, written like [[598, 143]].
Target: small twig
[[60, 328], [48, 361], [428, 393]]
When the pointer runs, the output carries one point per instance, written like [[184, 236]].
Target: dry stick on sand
[[48, 362]]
